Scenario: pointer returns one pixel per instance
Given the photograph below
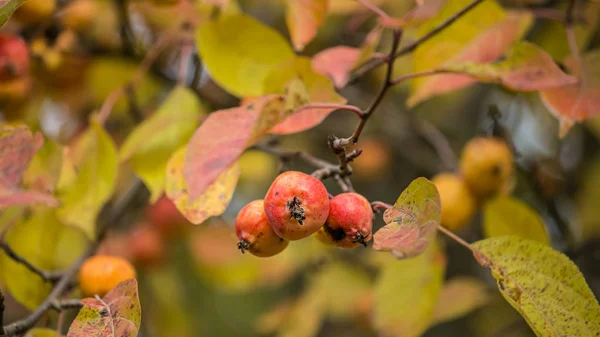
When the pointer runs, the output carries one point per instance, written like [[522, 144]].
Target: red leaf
[[13, 197], [17, 147], [580, 101], [302, 120], [526, 68], [118, 314], [337, 63], [222, 138]]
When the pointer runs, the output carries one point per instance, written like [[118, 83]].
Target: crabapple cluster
[[486, 170], [296, 206]]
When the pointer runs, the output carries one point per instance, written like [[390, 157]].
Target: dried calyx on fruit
[[255, 233], [350, 221], [296, 205]]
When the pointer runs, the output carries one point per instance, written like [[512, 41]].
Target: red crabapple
[[297, 205], [14, 57], [350, 221], [255, 232]]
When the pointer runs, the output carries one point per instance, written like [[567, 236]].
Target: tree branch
[[112, 216], [48, 276], [374, 63], [66, 304]]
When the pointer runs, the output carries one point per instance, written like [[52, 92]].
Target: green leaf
[[212, 202], [118, 313], [82, 194], [482, 35], [509, 216], [412, 221], [303, 18], [105, 74], [44, 169], [42, 332], [406, 293], [7, 8], [150, 145], [460, 296], [526, 67], [543, 285], [239, 52], [47, 244]]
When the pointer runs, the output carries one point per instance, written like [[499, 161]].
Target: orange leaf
[[304, 17], [17, 147], [222, 138], [580, 101], [337, 63]]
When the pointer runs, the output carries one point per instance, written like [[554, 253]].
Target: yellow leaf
[[406, 293], [47, 244], [94, 159], [106, 74], [150, 145], [212, 202], [481, 35], [44, 169], [509, 216], [543, 285], [239, 52], [42, 332], [303, 18]]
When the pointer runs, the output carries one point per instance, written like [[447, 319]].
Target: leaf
[[94, 159], [338, 62], [239, 52], [150, 145], [7, 8], [424, 10], [44, 168], [17, 147], [525, 68], [543, 285], [305, 318], [406, 293], [42, 332], [105, 74], [303, 18], [118, 314], [214, 147], [412, 221], [482, 35], [212, 202], [46, 243], [509, 216], [460, 296], [318, 89], [580, 101]]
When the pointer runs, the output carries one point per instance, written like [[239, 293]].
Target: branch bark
[[48, 276]]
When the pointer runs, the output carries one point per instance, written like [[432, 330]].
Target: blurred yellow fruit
[[79, 14], [487, 165], [35, 11], [257, 166], [458, 204]]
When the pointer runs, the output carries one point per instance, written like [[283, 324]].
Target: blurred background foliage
[[193, 280]]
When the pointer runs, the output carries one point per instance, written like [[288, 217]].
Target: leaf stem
[[455, 238], [374, 9]]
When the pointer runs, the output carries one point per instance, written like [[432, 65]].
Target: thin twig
[[346, 107], [571, 38], [2, 307], [144, 67], [66, 304], [289, 155], [374, 9], [455, 238], [376, 62], [440, 144], [48, 276]]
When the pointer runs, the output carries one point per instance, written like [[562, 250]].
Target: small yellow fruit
[[100, 273], [487, 166], [34, 12], [458, 204]]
